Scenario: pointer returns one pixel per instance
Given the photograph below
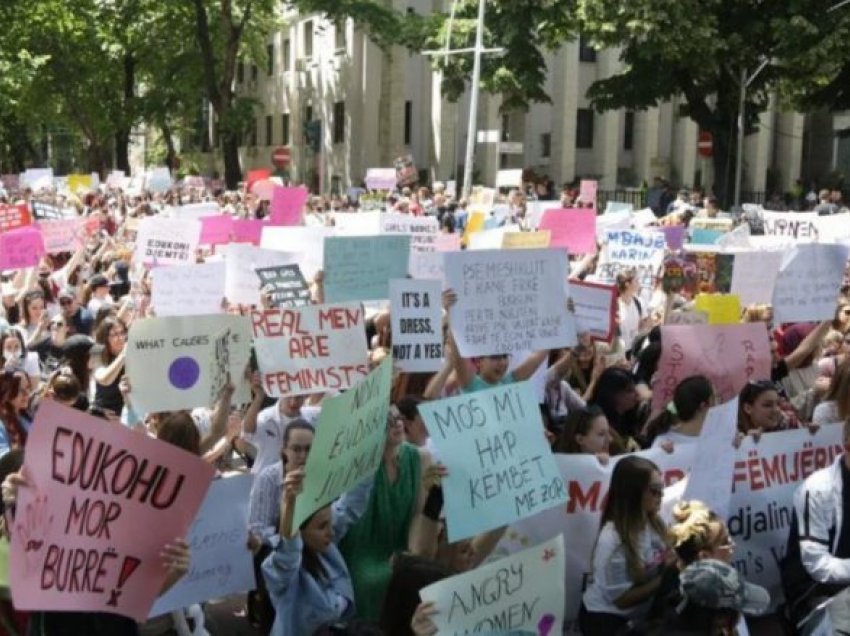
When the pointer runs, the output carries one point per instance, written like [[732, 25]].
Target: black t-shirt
[[842, 548]]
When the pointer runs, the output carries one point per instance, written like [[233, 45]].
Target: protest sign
[[168, 360], [14, 216], [360, 267], [247, 231], [216, 230], [219, 365], [674, 235], [287, 205], [349, 442], [423, 230], [221, 561], [797, 226], [641, 250], [380, 179], [500, 467], [158, 179], [79, 182], [37, 178], [722, 309], [117, 179], [357, 223], [188, 290], [614, 207], [45, 212], [310, 349], [701, 236], [416, 324], [595, 309], [509, 178], [62, 235], [307, 244], [574, 230], [534, 211], [430, 265], [241, 264], [490, 238], [754, 275], [587, 191], [523, 591], [526, 240], [686, 318], [509, 301], [21, 248], [163, 241], [644, 218], [808, 282], [197, 211], [76, 544], [728, 355], [285, 285]]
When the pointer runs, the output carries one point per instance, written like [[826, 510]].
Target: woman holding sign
[[112, 334]]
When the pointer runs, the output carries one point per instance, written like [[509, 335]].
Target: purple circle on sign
[[183, 373]]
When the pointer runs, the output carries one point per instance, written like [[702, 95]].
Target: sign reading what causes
[[509, 301], [523, 591], [76, 544], [416, 324], [163, 241], [221, 562], [808, 281], [499, 462], [188, 290], [349, 442], [310, 349], [360, 267], [285, 285], [219, 365]]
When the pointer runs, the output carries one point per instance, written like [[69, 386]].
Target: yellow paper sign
[[722, 309], [526, 240], [77, 182], [475, 223]]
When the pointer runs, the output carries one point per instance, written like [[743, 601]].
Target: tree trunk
[[723, 161], [122, 136], [170, 150], [232, 167]]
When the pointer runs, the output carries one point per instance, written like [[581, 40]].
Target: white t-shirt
[[611, 578], [630, 317], [675, 437], [268, 438], [826, 413]]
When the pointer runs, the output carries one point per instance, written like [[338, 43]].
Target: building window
[[308, 113], [629, 130], [254, 134], [254, 72], [339, 123], [584, 128], [506, 128], [284, 129], [270, 61], [269, 131], [546, 145], [308, 39], [408, 122], [287, 55], [586, 53], [339, 35], [240, 72]]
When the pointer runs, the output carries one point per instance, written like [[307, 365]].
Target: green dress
[[382, 531]]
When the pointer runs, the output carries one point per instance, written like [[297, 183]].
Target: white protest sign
[[158, 179], [416, 324], [196, 210], [188, 290], [595, 309], [797, 226], [306, 243], [168, 360], [423, 230], [509, 301], [642, 250], [241, 284], [509, 178], [644, 218], [221, 563], [523, 591], [808, 282], [834, 228], [357, 223], [37, 178], [754, 276], [310, 349], [163, 241], [535, 209], [490, 239]]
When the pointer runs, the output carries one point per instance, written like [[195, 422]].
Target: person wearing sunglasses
[[79, 319], [51, 350]]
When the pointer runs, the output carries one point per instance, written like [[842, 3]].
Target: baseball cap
[[717, 585], [80, 344], [67, 292], [98, 280]]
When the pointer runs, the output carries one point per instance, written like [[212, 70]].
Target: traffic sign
[[705, 144], [281, 157]]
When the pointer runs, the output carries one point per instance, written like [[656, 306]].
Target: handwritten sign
[[188, 290], [216, 230], [674, 235], [197, 211], [76, 544], [349, 442], [380, 179], [360, 267], [799, 226], [21, 248], [508, 594], [287, 205], [285, 285], [526, 240], [754, 275], [310, 349], [221, 562], [14, 216], [808, 282], [219, 365], [686, 318], [164, 241], [509, 178], [509, 301], [416, 323], [595, 309], [307, 244], [587, 191], [574, 230], [728, 355], [247, 231], [62, 235], [500, 466], [241, 263], [642, 250], [722, 309], [423, 230], [168, 359]]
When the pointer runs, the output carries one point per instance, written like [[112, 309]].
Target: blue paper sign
[[701, 236], [500, 466], [360, 267]]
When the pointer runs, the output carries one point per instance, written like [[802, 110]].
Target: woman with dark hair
[[111, 334], [758, 409], [631, 552], [585, 431], [616, 394], [681, 421], [34, 318], [76, 357], [15, 420], [15, 357]]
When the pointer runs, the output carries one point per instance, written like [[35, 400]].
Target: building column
[[486, 154], [565, 98], [684, 151], [757, 151], [788, 156], [444, 126], [607, 143], [391, 106], [646, 145]]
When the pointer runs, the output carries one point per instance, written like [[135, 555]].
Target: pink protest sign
[[62, 235], [573, 229], [287, 205], [247, 231], [674, 235], [216, 230], [587, 191], [447, 242], [21, 248], [102, 503], [728, 355]]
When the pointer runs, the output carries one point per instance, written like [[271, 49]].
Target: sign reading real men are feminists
[[500, 465], [310, 349]]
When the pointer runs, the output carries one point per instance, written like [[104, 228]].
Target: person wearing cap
[[98, 286], [76, 354], [79, 319]]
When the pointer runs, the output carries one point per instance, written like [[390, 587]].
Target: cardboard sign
[[241, 264], [595, 309], [754, 275], [168, 360], [808, 282], [641, 250], [416, 324], [247, 231], [221, 563], [380, 179], [574, 230], [197, 211], [310, 349], [188, 290], [163, 241], [509, 178], [76, 544], [37, 178], [349, 442], [216, 230], [62, 235], [722, 309], [285, 285], [728, 355], [158, 179], [509, 301], [587, 191], [526, 240], [46, 212], [306, 244], [674, 235], [21, 248], [800, 227], [14, 216], [530, 594], [360, 267], [287, 205], [499, 462]]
